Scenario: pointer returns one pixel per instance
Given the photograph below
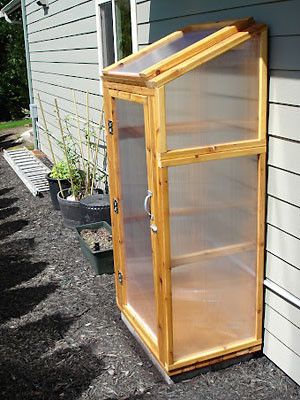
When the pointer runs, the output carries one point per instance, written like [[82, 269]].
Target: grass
[[14, 124]]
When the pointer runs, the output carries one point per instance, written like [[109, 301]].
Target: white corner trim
[[134, 32]]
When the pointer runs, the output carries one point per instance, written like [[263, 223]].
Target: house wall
[[64, 57], [155, 19]]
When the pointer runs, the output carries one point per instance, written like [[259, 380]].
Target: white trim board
[[134, 33]]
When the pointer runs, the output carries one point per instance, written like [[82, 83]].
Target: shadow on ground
[[7, 141], [33, 368], [32, 365]]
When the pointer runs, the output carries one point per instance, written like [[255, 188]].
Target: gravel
[[61, 336]]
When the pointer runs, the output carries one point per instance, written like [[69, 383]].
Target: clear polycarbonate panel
[[216, 102], [213, 209], [133, 177], [167, 49]]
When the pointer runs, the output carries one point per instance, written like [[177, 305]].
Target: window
[[116, 30], [107, 34], [123, 28]]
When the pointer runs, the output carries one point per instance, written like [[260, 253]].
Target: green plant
[[81, 151], [60, 171]]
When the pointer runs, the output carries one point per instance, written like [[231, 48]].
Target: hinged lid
[[170, 57]]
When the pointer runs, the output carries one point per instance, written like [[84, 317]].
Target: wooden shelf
[[211, 253]]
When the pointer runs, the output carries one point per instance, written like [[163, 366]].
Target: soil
[[61, 336], [97, 239]]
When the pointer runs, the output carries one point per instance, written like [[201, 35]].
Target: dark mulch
[[61, 336]]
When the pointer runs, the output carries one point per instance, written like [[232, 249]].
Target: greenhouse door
[[131, 217]]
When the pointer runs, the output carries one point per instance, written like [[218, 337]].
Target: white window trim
[[98, 23], [134, 31]]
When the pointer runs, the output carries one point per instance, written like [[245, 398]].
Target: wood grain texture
[[204, 153], [113, 168], [162, 237], [197, 156]]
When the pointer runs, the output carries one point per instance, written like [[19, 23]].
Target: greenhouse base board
[[196, 369], [131, 329]]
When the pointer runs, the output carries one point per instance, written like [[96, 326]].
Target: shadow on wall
[[170, 15], [36, 362]]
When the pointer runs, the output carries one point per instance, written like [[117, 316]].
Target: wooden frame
[[148, 89]]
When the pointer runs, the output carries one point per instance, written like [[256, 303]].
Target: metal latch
[[116, 206], [153, 228], [120, 277], [110, 126]]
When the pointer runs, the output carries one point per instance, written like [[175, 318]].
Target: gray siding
[[64, 57], [158, 18]]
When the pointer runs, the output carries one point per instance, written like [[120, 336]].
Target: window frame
[[99, 34]]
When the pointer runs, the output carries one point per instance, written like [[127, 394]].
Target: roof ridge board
[[241, 23]]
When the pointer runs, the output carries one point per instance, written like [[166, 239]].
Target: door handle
[[147, 206]]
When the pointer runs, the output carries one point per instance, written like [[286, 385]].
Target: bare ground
[[9, 137], [61, 336]]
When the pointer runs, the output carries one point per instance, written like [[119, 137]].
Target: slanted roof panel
[[163, 51], [180, 48], [206, 55]]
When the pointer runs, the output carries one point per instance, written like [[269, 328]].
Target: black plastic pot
[[70, 210], [101, 260], [95, 208], [54, 189]]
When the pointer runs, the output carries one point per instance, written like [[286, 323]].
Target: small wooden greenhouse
[[186, 137]]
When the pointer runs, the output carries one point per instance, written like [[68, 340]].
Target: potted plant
[[68, 199], [58, 179], [96, 244], [79, 202], [93, 206]]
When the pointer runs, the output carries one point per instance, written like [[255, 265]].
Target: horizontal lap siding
[[282, 337], [64, 57], [155, 20]]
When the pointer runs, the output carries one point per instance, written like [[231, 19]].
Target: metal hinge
[[120, 277], [116, 206], [110, 126]]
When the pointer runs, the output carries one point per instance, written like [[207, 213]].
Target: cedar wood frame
[[147, 88]]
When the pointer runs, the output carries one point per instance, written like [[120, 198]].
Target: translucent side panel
[[158, 54], [133, 176], [216, 102], [213, 208]]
